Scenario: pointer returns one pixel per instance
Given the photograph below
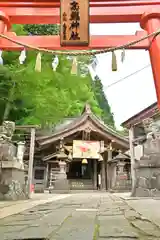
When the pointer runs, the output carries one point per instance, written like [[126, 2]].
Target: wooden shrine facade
[[54, 157]]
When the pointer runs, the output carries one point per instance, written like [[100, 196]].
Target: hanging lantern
[[84, 161]]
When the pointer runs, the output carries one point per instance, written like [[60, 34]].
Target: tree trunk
[[8, 106], [7, 110]]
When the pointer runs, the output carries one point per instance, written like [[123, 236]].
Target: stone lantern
[[62, 167], [122, 175], [121, 162], [61, 183]]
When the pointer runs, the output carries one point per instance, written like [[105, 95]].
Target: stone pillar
[[62, 171], [103, 176], [150, 22], [114, 175], [20, 151], [95, 174], [109, 168]]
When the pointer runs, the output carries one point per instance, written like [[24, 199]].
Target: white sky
[[135, 93]]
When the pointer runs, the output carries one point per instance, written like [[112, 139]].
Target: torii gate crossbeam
[[147, 12]]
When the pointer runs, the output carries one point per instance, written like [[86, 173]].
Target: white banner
[[86, 149]]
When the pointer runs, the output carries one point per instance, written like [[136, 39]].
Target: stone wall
[[122, 184], [120, 180], [148, 170], [12, 186], [12, 180], [148, 181]]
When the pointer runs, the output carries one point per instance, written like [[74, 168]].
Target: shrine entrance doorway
[[83, 176]]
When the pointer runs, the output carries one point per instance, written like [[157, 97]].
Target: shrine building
[[136, 129], [81, 153]]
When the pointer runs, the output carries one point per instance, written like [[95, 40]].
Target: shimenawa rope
[[82, 52]]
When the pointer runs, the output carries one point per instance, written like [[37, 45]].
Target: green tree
[[107, 115], [46, 97], [42, 29], [5, 90]]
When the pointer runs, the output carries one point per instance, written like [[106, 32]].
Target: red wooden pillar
[[2, 26], [151, 23], [4, 22]]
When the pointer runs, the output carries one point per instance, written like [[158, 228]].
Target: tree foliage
[[42, 29], [106, 115], [45, 98]]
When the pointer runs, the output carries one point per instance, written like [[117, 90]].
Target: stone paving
[[13, 207], [92, 216]]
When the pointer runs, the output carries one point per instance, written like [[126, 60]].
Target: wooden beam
[[53, 42], [51, 15], [93, 3], [23, 127]]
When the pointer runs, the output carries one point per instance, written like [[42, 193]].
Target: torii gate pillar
[[4, 22], [151, 23], [2, 26]]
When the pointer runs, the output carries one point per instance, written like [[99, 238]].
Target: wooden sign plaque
[[74, 23]]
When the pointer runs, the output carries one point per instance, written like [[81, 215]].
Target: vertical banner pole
[[31, 159]]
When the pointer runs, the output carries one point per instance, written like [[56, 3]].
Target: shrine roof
[[121, 156], [150, 111], [86, 120], [63, 124]]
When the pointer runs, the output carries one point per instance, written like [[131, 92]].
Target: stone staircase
[[81, 184]]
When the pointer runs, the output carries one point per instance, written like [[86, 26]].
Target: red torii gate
[[147, 12]]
